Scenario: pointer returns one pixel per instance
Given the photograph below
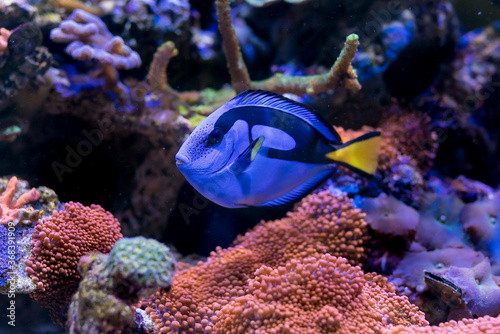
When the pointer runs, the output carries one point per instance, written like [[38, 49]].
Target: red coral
[[9, 210], [321, 224], [312, 296], [58, 243]]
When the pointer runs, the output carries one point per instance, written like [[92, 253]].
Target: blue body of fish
[[262, 149]]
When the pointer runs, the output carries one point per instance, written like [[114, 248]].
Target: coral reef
[[321, 224], [23, 61], [486, 325], [97, 96], [334, 297], [90, 39], [340, 75], [58, 243], [15, 235], [112, 283], [479, 220], [11, 212]]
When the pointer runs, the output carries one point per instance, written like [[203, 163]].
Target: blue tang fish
[[262, 149]]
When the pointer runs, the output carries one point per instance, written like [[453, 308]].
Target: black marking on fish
[[311, 145], [261, 98]]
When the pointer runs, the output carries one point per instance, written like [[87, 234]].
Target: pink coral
[[321, 224], [484, 325], [325, 295], [90, 39], [4, 39], [58, 243], [10, 210]]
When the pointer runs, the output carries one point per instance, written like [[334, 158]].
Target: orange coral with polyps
[[58, 243], [312, 296], [320, 224], [484, 325]]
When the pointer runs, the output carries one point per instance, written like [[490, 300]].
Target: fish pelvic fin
[[360, 154]]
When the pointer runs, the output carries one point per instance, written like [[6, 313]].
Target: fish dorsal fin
[[262, 98], [247, 156], [299, 191]]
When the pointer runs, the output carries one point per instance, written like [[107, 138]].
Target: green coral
[[140, 263], [112, 283]]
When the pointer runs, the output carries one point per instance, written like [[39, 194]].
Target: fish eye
[[215, 136]]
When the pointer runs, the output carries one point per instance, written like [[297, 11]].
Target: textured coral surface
[[321, 224], [58, 243]]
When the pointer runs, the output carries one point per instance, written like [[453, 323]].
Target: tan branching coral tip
[[157, 75], [340, 75], [240, 78]]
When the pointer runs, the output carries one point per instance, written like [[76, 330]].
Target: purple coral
[[479, 291], [90, 39], [480, 221]]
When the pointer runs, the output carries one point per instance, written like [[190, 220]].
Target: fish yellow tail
[[360, 154]]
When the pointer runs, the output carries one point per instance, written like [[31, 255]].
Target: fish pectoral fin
[[360, 154], [300, 190], [247, 156]]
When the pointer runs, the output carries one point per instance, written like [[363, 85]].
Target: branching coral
[[112, 283], [90, 39], [157, 75], [340, 75], [15, 236], [11, 210], [58, 243]]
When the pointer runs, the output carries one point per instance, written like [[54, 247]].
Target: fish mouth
[[180, 160]]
